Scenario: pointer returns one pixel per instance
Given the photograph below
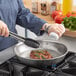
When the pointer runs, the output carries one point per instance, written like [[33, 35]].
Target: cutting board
[[70, 33]]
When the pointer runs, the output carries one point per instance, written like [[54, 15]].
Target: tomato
[[68, 14], [55, 13], [59, 19], [73, 13]]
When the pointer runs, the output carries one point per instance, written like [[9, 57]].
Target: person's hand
[[3, 29], [57, 28]]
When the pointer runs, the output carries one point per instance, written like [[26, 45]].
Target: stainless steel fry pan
[[57, 50]]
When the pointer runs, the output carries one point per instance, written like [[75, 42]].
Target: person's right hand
[[3, 29]]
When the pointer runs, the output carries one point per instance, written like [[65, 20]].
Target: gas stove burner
[[71, 71], [13, 67]]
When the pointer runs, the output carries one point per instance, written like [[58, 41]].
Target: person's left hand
[[57, 28]]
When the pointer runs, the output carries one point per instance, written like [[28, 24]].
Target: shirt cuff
[[40, 26]]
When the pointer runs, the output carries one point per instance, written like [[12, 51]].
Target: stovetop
[[13, 67]]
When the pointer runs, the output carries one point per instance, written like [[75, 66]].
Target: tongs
[[28, 41], [33, 43]]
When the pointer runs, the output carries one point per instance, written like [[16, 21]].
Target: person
[[13, 12]]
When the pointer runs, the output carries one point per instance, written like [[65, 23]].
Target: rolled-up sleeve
[[26, 19], [0, 18]]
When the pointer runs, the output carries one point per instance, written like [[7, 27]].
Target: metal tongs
[[34, 43], [28, 41]]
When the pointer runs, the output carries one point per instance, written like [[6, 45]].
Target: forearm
[[0, 18], [26, 19]]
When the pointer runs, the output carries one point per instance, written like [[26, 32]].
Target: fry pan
[[57, 50]]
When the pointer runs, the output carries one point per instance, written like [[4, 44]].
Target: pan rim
[[45, 59]]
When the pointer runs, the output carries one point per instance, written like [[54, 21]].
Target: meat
[[40, 54]]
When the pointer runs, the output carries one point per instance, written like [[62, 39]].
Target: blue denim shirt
[[13, 12]]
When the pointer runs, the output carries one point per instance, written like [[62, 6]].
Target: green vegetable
[[40, 52], [37, 55], [43, 57], [70, 22]]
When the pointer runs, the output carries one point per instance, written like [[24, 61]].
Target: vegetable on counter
[[73, 13], [69, 20], [59, 19], [55, 13]]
